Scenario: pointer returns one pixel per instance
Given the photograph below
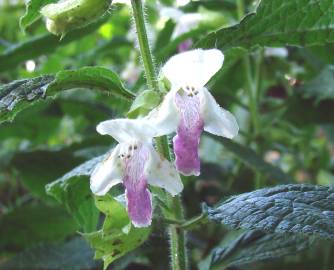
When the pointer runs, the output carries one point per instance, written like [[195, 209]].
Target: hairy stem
[[175, 208], [138, 14]]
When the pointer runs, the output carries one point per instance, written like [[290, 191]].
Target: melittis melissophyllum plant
[[188, 108]]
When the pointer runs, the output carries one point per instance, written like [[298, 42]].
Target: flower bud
[[67, 15]]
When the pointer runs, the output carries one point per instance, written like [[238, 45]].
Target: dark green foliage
[[28, 225], [254, 246], [304, 209], [18, 95], [73, 255], [278, 23]]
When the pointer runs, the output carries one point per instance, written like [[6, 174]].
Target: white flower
[[189, 108], [184, 23], [135, 163]]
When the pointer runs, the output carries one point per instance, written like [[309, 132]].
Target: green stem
[[175, 208], [251, 92], [251, 87], [194, 222], [177, 235], [138, 14]]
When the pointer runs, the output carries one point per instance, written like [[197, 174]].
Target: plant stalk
[[175, 209], [145, 51], [252, 85]]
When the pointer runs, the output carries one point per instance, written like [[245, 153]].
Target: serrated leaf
[[253, 160], [32, 224], [73, 255], [278, 23], [32, 13], [321, 87], [18, 95], [73, 191], [46, 44], [117, 236], [255, 246], [304, 209]]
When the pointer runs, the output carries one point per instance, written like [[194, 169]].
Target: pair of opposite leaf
[[187, 109]]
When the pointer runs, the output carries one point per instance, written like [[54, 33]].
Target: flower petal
[[139, 202], [193, 68], [165, 117], [189, 130], [125, 130], [106, 174], [217, 120], [161, 173]]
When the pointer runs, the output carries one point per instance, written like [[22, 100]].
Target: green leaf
[[117, 236], [144, 102], [46, 44], [72, 255], [278, 23], [38, 168], [304, 209], [78, 199], [18, 95], [31, 224], [255, 246], [95, 78], [321, 87], [32, 12], [74, 192], [253, 160]]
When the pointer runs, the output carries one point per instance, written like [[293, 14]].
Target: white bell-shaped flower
[[189, 108], [135, 163]]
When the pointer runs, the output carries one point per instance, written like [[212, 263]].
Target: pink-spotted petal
[[187, 139], [139, 202]]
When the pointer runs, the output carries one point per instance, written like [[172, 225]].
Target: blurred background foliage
[[40, 219]]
